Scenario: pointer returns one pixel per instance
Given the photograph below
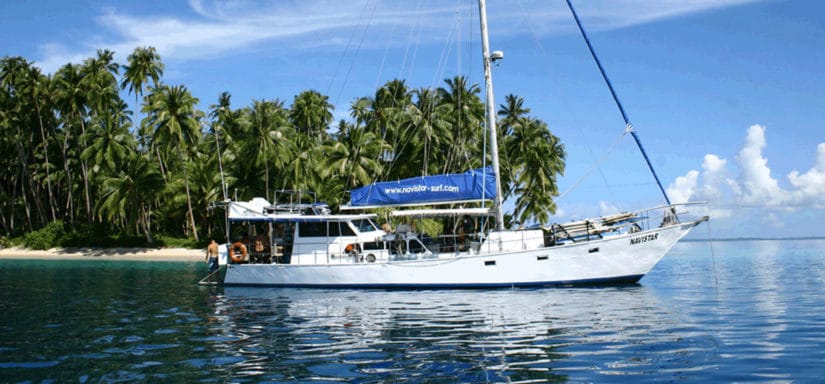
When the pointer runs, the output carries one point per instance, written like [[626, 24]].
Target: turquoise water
[[749, 311]]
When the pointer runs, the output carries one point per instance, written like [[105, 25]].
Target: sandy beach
[[145, 254]]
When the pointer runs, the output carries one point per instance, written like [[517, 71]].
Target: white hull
[[624, 258]]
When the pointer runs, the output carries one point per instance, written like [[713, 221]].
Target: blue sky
[[726, 95]]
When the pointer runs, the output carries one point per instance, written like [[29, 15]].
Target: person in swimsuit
[[212, 256]]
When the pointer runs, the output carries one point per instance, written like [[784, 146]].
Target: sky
[[726, 95]]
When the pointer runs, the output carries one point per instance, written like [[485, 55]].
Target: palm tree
[[112, 142], [144, 64], [361, 111], [99, 80], [426, 128], [311, 114], [466, 115], [268, 122], [14, 76], [99, 84], [513, 115], [354, 157], [127, 196], [174, 121], [70, 101], [34, 88], [206, 180], [537, 158], [302, 172], [224, 121], [390, 115]]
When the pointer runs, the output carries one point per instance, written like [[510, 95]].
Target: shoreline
[[128, 254]]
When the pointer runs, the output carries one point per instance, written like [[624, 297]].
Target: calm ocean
[[748, 311]]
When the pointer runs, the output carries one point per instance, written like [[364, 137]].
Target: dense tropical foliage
[[75, 155]]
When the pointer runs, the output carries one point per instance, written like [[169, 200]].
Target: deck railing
[[410, 246]]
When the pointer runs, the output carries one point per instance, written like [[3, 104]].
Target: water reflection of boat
[[461, 335], [528, 313], [296, 241]]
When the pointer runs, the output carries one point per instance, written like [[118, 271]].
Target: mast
[[491, 112]]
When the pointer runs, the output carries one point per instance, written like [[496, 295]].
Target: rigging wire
[[413, 35], [223, 182], [458, 36], [414, 29], [442, 60], [596, 165], [220, 165], [629, 127], [535, 34], [384, 58], [560, 97], [446, 53], [348, 49]]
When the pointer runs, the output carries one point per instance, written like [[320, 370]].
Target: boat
[[296, 241]]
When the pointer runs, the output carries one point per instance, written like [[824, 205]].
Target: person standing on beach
[[212, 256]]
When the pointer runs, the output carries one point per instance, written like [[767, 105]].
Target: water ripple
[[750, 314]]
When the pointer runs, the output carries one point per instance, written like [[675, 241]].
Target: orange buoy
[[241, 255]]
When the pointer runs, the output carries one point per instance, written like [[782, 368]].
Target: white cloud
[[810, 186], [606, 208], [613, 14], [682, 189], [754, 186], [57, 55], [218, 27], [715, 174], [758, 187]]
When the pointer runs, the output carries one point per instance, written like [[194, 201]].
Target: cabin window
[[312, 229], [540, 258], [334, 229], [364, 225], [489, 263], [593, 250], [417, 247], [373, 245], [399, 247], [346, 230]]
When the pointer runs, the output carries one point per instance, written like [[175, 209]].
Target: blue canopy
[[476, 184]]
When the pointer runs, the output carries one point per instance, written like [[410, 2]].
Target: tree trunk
[[189, 202], [84, 168], [47, 164], [11, 203], [144, 223], [3, 222], [266, 182], [160, 162], [24, 172], [26, 207], [70, 197]]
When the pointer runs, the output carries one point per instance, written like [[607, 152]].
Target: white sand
[[147, 254]]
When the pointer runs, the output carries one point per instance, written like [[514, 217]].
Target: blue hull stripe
[[589, 282]]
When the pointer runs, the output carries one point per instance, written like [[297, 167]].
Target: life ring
[[241, 256], [352, 249]]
